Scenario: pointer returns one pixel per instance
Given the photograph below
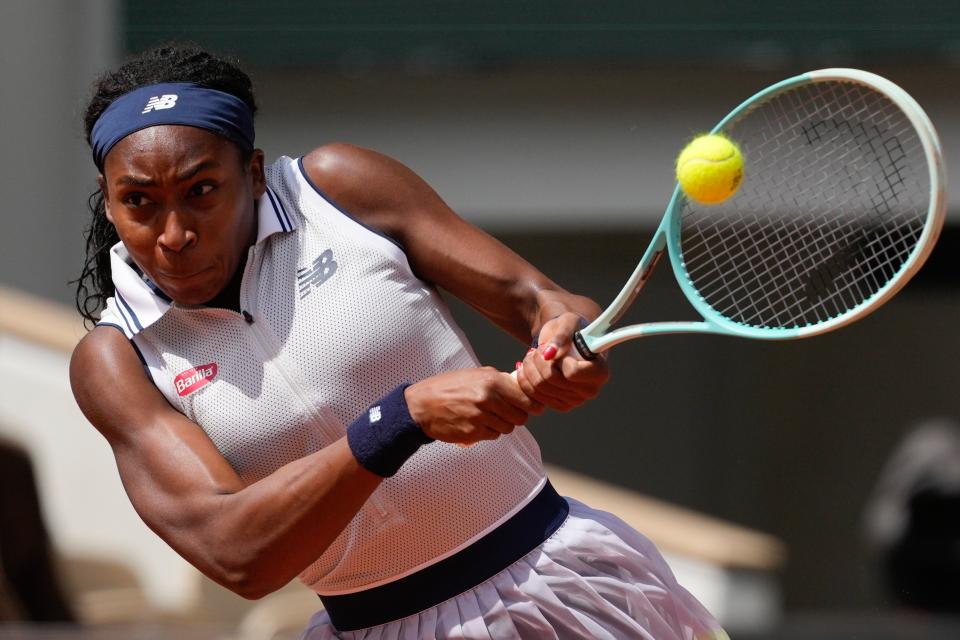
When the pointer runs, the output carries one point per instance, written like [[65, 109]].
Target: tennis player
[[281, 384]]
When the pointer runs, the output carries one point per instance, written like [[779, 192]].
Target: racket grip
[[582, 347]]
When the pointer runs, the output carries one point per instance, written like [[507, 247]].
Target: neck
[[229, 296]]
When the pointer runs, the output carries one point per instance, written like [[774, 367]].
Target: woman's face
[[184, 205]]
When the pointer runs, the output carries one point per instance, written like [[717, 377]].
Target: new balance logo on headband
[[166, 101], [158, 104]]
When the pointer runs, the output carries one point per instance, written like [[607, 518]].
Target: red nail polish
[[519, 364], [549, 352]]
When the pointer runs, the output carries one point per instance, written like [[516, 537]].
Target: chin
[[192, 293]]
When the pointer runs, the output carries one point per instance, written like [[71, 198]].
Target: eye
[[201, 189], [136, 200]]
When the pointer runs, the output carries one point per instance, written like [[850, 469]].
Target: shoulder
[[377, 189], [105, 373], [341, 168], [102, 345]]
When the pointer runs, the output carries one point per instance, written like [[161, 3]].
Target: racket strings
[[787, 266], [788, 271], [831, 208]]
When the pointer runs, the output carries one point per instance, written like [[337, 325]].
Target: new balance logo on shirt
[[317, 273], [166, 101]]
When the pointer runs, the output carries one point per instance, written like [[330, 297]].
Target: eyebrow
[[181, 177]]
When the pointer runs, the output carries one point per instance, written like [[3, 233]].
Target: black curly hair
[[172, 62]]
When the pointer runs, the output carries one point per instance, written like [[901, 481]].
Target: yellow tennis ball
[[710, 169]]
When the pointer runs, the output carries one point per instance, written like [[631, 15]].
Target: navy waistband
[[515, 538]]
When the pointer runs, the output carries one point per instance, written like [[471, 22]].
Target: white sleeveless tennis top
[[333, 319]]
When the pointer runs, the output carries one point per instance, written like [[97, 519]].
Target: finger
[[544, 393], [550, 351], [584, 374], [556, 337], [515, 399], [530, 377], [561, 384], [506, 413], [564, 407], [493, 422], [537, 405], [547, 376], [475, 436], [492, 428], [556, 393], [522, 402], [571, 373], [599, 363], [559, 402]]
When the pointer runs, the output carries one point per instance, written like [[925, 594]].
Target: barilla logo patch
[[193, 379]]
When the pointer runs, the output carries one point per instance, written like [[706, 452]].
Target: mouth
[[188, 287], [178, 277]]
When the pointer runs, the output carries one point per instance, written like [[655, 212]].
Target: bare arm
[[442, 247], [448, 251], [251, 539]]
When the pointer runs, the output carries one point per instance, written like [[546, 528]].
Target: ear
[[257, 177], [102, 183]]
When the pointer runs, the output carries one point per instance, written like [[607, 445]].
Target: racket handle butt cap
[[582, 347]]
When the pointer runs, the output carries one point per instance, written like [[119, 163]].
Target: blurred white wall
[[86, 508], [50, 52]]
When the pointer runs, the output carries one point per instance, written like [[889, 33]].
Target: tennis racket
[[843, 197]]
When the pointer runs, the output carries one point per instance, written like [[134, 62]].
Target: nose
[[176, 235]]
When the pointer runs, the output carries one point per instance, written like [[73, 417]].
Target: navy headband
[[172, 103]]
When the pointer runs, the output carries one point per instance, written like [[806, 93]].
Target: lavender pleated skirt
[[594, 578]]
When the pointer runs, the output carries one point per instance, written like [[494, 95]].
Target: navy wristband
[[385, 435]]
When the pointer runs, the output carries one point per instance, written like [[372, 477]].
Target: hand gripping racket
[[842, 200]]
